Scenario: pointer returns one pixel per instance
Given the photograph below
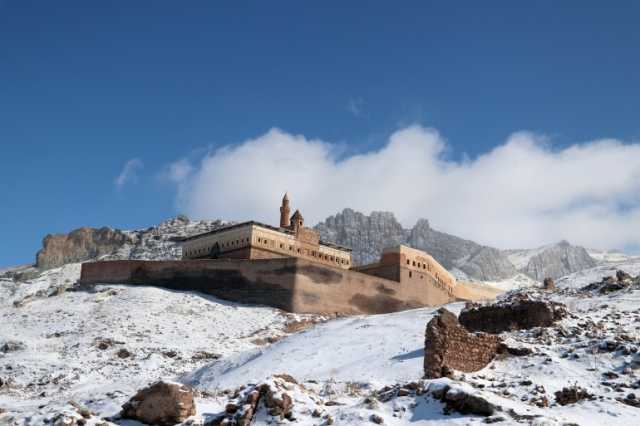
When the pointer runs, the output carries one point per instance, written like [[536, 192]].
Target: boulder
[[448, 346], [161, 404], [623, 276], [572, 395], [514, 314]]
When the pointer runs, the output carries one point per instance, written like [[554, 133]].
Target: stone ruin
[[448, 345], [517, 313]]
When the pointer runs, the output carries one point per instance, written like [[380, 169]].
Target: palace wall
[[291, 284]]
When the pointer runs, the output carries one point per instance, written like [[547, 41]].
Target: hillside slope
[[97, 346]]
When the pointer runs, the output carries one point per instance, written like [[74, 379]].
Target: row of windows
[[304, 252], [419, 265], [202, 251], [223, 244]]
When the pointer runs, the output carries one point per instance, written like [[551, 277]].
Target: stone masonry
[[514, 314], [449, 346]]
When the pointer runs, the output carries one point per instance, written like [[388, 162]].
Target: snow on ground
[[74, 345], [340, 364], [376, 349], [611, 256], [518, 281], [588, 276]]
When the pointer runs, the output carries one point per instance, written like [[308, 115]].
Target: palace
[[290, 268], [254, 240]]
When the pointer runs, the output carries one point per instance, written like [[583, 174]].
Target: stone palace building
[[290, 268]]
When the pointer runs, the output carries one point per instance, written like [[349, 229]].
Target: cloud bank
[[129, 173], [523, 193]]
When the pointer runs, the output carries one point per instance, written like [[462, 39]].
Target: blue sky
[[86, 87]]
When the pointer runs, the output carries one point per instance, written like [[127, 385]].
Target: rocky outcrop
[[79, 245], [450, 346], [610, 284], [162, 404], [515, 314], [159, 242], [572, 395], [368, 235], [486, 263], [557, 261]]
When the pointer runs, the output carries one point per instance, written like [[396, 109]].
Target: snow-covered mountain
[[96, 346], [368, 235]]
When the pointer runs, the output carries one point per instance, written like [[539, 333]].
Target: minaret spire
[[284, 211]]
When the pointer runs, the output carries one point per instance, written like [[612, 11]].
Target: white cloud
[[523, 193], [177, 171], [129, 173]]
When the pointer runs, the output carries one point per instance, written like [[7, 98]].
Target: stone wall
[[292, 284], [449, 346], [510, 315]]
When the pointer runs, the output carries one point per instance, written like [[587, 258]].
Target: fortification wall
[[292, 284]]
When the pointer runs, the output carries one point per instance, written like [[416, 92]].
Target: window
[[408, 262], [290, 247], [414, 263], [281, 245], [409, 274]]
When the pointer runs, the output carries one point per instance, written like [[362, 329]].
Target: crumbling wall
[[449, 346], [513, 314]]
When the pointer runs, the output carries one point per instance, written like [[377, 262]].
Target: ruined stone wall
[[292, 284], [448, 346]]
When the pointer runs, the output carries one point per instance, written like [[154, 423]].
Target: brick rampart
[[292, 284]]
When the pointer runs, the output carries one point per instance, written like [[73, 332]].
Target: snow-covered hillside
[[612, 256], [97, 346], [102, 344]]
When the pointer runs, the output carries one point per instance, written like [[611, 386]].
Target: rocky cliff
[[157, 242], [557, 261], [80, 244], [368, 235]]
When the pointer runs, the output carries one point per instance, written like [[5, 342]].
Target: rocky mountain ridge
[[153, 243], [367, 235]]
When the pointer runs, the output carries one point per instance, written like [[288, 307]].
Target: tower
[[284, 212], [297, 221]]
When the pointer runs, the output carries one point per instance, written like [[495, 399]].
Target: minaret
[[297, 222], [284, 212]]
